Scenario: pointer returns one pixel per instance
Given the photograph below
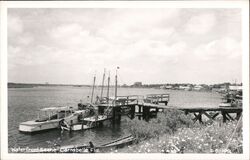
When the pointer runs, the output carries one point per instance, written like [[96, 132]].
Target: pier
[[146, 107]]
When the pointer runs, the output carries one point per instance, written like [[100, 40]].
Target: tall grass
[[166, 122], [173, 131]]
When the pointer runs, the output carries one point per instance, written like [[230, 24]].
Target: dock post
[[224, 116], [238, 114], [200, 117], [132, 112], [119, 114], [145, 113], [113, 115], [116, 115], [140, 111], [156, 110]]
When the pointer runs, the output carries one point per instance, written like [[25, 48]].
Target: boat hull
[[91, 122], [78, 127], [33, 126], [36, 126]]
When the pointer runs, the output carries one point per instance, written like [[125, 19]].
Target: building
[[235, 88], [137, 84], [197, 87], [166, 87], [186, 88]]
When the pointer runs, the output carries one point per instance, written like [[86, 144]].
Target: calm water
[[23, 104]]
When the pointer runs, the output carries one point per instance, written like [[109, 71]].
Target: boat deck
[[96, 118]]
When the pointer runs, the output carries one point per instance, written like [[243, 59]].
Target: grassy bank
[[175, 132]]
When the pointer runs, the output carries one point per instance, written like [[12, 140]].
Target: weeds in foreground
[[178, 134], [166, 123]]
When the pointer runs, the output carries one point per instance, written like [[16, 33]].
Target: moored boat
[[89, 122], [232, 99], [118, 143], [49, 118]]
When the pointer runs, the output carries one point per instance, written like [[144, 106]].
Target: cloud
[[128, 26], [224, 48], [71, 44], [75, 37], [15, 26], [200, 24], [67, 30]]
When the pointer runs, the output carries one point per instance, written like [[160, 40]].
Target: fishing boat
[[49, 118], [101, 107]]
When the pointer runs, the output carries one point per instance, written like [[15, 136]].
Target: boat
[[89, 122], [87, 148], [49, 118], [58, 117], [232, 99], [118, 143], [70, 118], [101, 113]]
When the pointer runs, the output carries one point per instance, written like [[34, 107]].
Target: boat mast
[[108, 86], [103, 78], [93, 88], [116, 83]]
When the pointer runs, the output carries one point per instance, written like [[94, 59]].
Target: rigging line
[[106, 88], [102, 86], [88, 91], [233, 132], [123, 82], [83, 88], [90, 86], [93, 88]]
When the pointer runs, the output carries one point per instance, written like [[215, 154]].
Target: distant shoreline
[[220, 88], [32, 85]]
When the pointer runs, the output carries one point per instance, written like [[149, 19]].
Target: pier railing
[[157, 98], [139, 99]]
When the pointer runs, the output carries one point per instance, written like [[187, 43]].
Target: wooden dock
[[146, 107]]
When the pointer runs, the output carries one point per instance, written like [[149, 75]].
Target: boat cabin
[[52, 113]]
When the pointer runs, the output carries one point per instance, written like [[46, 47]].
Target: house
[[235, 88], [197, 87], [168, 87], [186, 88], [137, 84]]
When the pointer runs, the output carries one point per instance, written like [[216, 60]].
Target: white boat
[[49, 118], [90, 122]]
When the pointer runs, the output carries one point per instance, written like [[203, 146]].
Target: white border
[[244, 5]]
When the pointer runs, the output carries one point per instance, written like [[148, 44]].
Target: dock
[[146, 107]]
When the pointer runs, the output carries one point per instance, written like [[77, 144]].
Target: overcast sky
[[149, 45]]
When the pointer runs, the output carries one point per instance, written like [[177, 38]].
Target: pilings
[[139, 112], [132, 112], [116, 115], [146, 113], [227, 114]]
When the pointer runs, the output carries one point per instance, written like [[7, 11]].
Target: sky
[[70, 46]]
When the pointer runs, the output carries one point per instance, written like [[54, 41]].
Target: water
[[23, 104]]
